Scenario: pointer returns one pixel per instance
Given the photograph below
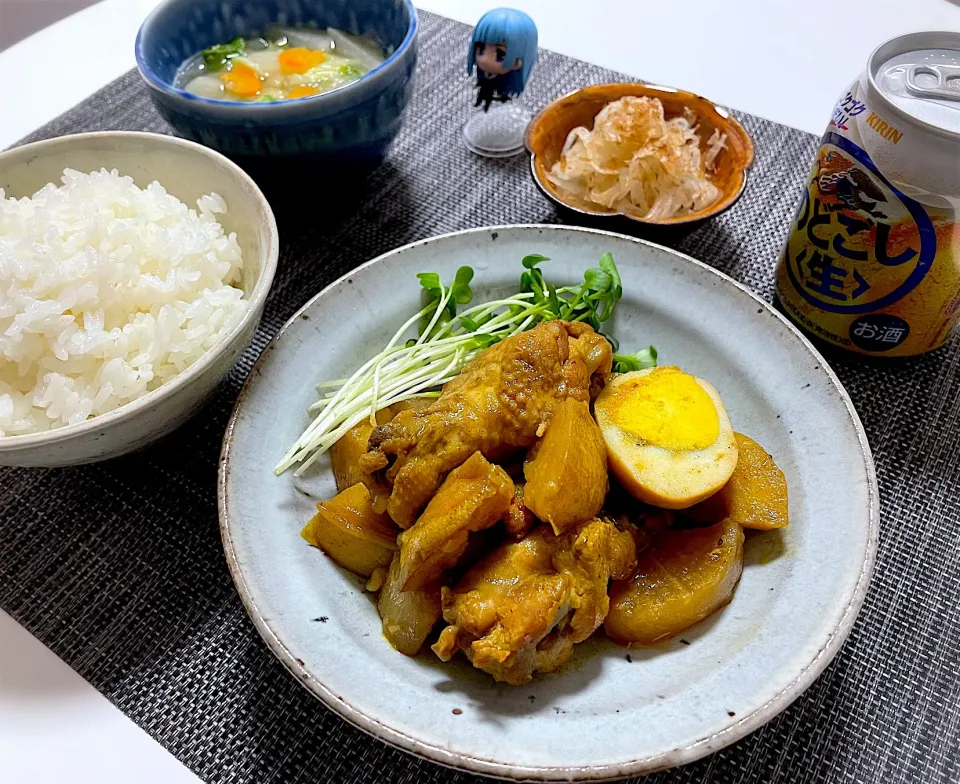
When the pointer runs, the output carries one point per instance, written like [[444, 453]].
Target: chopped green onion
[[349, 69]]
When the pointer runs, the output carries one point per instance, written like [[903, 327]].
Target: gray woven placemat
[[118, 567]]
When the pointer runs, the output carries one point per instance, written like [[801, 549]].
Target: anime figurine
[[503, 50]]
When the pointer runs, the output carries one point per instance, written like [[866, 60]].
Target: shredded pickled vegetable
[[636, 162]]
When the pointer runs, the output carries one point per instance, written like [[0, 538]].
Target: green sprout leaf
[[625, 363], [616, 285], [595, 279], [593, 301], [554, 301], [607, 265], [531, 261], [460, 291], [459, 294], [482, 340], [431, 282], [217, 56]]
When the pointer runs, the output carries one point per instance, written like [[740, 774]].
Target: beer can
[[872, 261]]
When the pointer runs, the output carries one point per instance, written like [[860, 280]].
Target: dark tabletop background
[[118, 567]]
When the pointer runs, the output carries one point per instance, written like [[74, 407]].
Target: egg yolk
[[241, 80], [299, 60], [667, 408]]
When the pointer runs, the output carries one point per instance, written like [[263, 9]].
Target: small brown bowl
[[549, 129]]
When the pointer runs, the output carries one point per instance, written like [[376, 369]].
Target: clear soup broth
[[284, 64]]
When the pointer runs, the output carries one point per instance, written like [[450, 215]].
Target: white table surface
[[780, 59]]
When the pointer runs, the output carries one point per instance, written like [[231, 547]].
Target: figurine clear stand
[[498, 133], [501, 53]]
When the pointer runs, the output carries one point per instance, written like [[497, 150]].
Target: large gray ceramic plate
[[606, 714]]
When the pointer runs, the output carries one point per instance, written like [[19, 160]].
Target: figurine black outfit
[[490, 88]]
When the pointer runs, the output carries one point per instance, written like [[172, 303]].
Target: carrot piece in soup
[[303, 91], [241, 80], [299, 60]]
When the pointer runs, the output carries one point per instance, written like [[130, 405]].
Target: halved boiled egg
[[669, 440]]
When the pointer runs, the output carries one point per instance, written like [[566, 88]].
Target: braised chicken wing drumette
[[500, 404], [522, 608]]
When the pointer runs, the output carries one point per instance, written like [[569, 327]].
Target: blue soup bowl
[[352, 124]]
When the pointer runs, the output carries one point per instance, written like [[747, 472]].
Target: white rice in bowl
[[107, 292]]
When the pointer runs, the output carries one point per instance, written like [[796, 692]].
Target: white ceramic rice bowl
[[187, 170]]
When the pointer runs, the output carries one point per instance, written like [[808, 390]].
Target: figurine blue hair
[[504, 50]]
